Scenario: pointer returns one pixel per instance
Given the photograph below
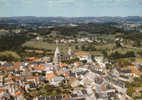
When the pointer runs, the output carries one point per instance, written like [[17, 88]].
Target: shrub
[[117, 55], [9, 56]]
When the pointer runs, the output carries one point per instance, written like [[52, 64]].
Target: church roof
[[82, 54]]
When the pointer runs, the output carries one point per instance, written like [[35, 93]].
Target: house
[[72, 74], [137, 92], [45, 59], [2, 91], [77, 64], [1, 80], [74, 82], [122, 97], [125, 72], [66, 74], [84, 56], [138, 61], [33, 79], [63, 41], [31, 59], [17, 30], [81, 74], [100, 61], [29, 85], [16, 66], [37, 38], [134, 71], [115, 72], [125, 78], [101, 96], [39, 67], [50, 98], [19, 95], [56, 80], [2, 62], [50, 75], [84, 40], [89, 91], [39, 52], [92, 69], [71, 41], [78, 92], [98, 80], [98, 68]]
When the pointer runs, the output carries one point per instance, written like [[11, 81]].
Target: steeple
[[56, 55], [69, 51], [89, 59]]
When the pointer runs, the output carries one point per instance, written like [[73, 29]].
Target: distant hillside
[[86, 28], [63, 20], [135, 36]]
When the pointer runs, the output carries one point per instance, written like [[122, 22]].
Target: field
[[48, 46], [109, 48]]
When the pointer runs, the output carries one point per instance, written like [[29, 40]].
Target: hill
[[65, 20]]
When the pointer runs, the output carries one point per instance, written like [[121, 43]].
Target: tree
[[130, 91], [12, 41], [108, 66], [118, 45], [84, 61], [140, 53], [76, 47], [117, 55], [137, 43], [104, 52], [82, 47], [130, 54], [9, 56]]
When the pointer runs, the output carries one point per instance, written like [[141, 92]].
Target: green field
[[109, 47]]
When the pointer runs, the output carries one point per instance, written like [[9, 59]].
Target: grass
[[110, 47], [48, 46], [105, 46], [52, 46]]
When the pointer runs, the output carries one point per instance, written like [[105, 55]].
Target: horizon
[[67, 16], [70, 8]]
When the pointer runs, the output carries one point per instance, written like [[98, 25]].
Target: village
[[75, 76], [70, 50]]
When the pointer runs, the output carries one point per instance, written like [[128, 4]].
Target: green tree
[[9, 56], [108, 66], [76, 47]]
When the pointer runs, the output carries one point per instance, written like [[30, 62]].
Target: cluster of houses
[[78, 40], [90, 80]]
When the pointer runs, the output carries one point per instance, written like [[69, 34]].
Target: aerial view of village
[[70, 50]]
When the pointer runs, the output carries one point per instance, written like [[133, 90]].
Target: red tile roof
[[51, 75], [19, 93], [41, 67], [81, 53]]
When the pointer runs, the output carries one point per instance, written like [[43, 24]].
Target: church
[[59, 57]]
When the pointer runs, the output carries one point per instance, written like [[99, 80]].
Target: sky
[[70, 8]]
